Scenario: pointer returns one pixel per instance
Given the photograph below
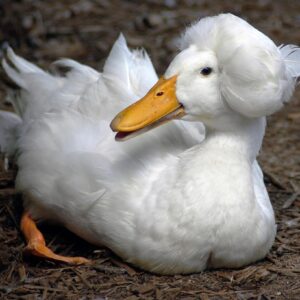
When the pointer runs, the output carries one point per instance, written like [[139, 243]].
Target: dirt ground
[[43, 31]]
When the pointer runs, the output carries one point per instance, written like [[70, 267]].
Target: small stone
[[27, 22], [153, 20]]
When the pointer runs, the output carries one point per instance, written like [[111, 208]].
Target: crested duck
[[178, 198]]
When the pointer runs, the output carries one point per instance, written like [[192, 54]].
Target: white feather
[[291, 56], [22, 65], [9, 126], [133, 69]]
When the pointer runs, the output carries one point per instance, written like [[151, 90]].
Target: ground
[[43, 31]]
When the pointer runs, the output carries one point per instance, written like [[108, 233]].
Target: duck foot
[[36, 244]]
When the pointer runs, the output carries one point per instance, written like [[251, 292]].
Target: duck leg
[[36, 244]]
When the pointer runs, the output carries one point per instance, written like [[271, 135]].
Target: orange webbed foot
[[36, 244]]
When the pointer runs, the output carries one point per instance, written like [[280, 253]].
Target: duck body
[[177, 199], [179, 228]]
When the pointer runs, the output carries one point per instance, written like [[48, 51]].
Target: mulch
[[43, 31]]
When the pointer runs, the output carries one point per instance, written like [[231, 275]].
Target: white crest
[[256, 76]]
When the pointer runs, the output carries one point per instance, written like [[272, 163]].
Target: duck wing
[[69, 161], [127, 75]]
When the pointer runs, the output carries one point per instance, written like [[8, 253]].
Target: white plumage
[[171, 200]]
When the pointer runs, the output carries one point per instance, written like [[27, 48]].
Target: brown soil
[[43, 31]]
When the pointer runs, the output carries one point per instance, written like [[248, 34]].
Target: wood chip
[[22, 273], [274, 179], [123, 265], [289, 202], [294, 116]]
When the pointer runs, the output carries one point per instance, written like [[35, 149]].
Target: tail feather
[[21, 64], [38, 92], [20, 71], [35, 85], [16, 67], [132, 69], [13, 74], [13, 95]]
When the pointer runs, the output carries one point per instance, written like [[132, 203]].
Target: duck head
[[226, 70]]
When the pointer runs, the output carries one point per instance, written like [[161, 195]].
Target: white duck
[[169, 201]]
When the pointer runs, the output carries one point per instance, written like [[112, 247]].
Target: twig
[[4, 193], [285, 272], [107, 269], [82, 278], [40, 287], [274, 180], [11, 215], [291, 200], [7, 178], [120, 264], [45, 292]]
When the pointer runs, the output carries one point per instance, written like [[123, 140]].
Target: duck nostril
[[159, 93]]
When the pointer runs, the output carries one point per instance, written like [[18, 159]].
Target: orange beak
[[159, 106]]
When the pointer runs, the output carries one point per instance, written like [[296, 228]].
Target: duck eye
[[159, 93], [206, 71]]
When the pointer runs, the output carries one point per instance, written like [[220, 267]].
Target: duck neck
[[239, 135]]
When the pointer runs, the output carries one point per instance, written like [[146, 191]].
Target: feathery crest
[[291, 56]]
